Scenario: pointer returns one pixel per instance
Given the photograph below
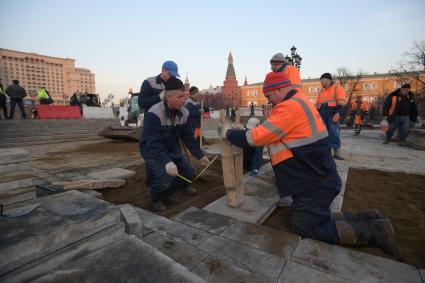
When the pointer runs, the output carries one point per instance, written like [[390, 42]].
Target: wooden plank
[[232, 164]]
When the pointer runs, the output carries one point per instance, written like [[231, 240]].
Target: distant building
[[59, 75], [369, 87], [231, 93]]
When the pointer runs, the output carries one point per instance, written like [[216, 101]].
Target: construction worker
[[44, 96], [164, 125], [359, 110], [151, 91], [297, 141], [16, 94], [194, 111], [330, 103], [278, 62], [400, 111]]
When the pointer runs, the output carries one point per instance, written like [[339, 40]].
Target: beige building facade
[[58, 75]]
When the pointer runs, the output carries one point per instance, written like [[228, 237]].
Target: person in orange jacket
[[330, 103], [359, 110], [297, 141]]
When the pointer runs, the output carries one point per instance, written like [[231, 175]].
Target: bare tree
[[414, 59], [351, 84]]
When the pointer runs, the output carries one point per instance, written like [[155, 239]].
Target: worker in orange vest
[[359, 110], [297, 141], [330, 103]]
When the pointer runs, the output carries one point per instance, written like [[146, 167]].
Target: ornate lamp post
[[295, 58]]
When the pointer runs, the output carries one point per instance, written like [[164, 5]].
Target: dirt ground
[[399, 196]]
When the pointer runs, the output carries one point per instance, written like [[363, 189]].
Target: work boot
[[170, 200], [337, 154], [189, 190], [157, 206], [285, 201], [377, 232], [363, 215], [402, 143]]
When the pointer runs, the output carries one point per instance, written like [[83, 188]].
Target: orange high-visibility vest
[[364, 106], [292, 123], [294, 76], [333, 96]]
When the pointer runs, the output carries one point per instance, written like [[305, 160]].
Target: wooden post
[[232, 163]]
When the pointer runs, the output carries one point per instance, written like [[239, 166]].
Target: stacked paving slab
[[31, 132], [74, 237], [16, 176]]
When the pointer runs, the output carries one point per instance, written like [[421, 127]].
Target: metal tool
[[199, 175]]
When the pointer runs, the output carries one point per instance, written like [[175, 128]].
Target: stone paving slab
[[251, 259], [15, 184], [422, 273], [218, 271], [296, 273], [71, 253], [186, 255], [353, 265], [132, 222], [130, 260], [14, 155], [113, 173], [15, 167], [18, 198], [253, 210], [60, 220], [269, 240], [204, 220]]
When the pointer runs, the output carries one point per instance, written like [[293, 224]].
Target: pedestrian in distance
[[330, 103], [400, 111], [16, 94]]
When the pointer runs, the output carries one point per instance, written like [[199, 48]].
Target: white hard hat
[[252, 123]]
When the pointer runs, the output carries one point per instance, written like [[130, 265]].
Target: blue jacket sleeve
[[194, 114], [151, 144], [147, 96], [189, 140]]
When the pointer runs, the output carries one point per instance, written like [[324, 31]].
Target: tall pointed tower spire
[[245, 82], [186, 85], [231, 90]]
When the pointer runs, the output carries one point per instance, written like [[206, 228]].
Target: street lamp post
[[294, 59]]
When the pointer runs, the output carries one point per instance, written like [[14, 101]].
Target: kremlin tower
[[231, 93]]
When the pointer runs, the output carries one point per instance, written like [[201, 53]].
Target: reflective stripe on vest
[[332, 102], [281, 150]]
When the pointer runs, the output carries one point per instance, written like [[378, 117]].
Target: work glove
[[161, 95], [222, 129], [335, 118], [238, 127], [171, 169], [204, 161]]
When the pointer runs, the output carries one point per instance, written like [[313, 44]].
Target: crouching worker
[[164, 125], [252, 156], [297, 141]]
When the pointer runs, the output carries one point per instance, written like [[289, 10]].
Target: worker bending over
[[164, 124], [297, 141]]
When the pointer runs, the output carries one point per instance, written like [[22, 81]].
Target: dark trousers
[[311, 212], [402, 124], [160, 184], [20, 102], [333, 128], [4, 107]]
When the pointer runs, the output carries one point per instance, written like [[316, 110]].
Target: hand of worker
[[238, 126], [222, 129], [204, 161], [161, 95], [335, 118], [171, 169]]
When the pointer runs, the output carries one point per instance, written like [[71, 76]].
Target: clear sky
[[123, 42]]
